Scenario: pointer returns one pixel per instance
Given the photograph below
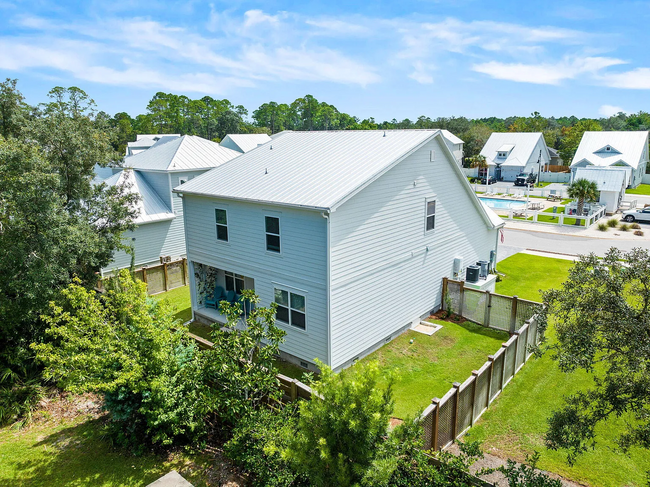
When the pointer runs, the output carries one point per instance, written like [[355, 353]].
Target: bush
[[638, 233], [603, 227], [624, 227], [612, 222], [636, 226], [257, 444]]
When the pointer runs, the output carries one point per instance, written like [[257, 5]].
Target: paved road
[[518, 240]]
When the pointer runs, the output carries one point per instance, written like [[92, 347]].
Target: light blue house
[[152, 173], [349, 232]]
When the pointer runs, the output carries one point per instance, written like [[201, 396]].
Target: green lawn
[[180, 298], [74, 453], [643, 189], [516, 422], [431, 364]]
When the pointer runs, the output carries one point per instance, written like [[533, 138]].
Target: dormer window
[[608, 148], [502, 154]]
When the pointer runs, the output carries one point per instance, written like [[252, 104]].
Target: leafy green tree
[[475, 138], [13, 110], [241, 366], [340, 429], [571, 137], [583, 190], [602, 324], [129, 348]]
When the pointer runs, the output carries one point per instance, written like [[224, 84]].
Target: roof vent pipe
[[384, 133], [271, 147]]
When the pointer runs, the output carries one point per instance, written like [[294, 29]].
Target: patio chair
[[217, 295]]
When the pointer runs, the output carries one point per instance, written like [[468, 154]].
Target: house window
[[291, 308], [272, 224], [431, 215], [234, 282], [221, 219], [501, 154], [608, 148]]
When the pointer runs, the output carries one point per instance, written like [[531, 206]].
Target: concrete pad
[[172, 479], [427, 328]]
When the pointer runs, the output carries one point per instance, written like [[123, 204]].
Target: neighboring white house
[[611, 182], [510, 153], [152, 174], [455, 145], [244, 142], [145, 141], [628, 150], [349, 232]]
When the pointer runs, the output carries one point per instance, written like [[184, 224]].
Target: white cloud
[[545, 73], [421, 73], [610, 110], [636, 79]]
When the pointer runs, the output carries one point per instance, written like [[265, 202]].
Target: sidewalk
[[574, 231]]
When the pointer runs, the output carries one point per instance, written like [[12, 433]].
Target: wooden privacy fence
[[505, 313], [160, 277], [448, 418], [292, 389]]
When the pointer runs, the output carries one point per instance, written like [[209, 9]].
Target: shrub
[[638, 233], [624, 227], [257, 444], [612, 222], [603, 227], [636, 226]]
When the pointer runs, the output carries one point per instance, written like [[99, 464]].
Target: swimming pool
[[502, 204]]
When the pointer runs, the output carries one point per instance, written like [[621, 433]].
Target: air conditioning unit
[[165, 259], [471, 273]]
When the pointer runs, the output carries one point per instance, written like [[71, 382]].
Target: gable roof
[[629, 148], [150, 207], [144, 141], [607, 179], [186, 153], [245, 142], [451, 137], [317, 170], [523, 144]]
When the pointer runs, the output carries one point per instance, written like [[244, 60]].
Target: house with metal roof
[[143, 142], [611, 182], [627, 150], [244, 142], [511, 153], [455, 145], [349, 232], [152, 173]]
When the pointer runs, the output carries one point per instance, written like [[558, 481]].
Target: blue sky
[[384, 59]]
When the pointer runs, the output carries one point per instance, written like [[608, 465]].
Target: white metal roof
[[523, 144], [451, 137], [188, 152], [506, 148], [318, 170], [150, 207], [496, 220], [628, 147], [247, 142], [144, 141], [607, 179]]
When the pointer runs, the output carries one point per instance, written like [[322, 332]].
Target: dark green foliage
[[602, 321], [257, 444], [525, 475], [584, 191]]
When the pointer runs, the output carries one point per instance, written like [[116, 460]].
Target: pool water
[[502, 204]]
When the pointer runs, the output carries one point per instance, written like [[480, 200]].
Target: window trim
[[279, 234], [291, 290], [235, 276], [428, 200], [216, 225]]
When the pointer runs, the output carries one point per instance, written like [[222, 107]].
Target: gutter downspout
[[326, 215]]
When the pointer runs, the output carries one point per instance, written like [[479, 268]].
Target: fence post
[[144, 274], [454, 424], [294, 390], [434, 423], [513, 315], [561, 219], [461, 300], [165, 276], [444, 293], [475, 375], [490, 377], [488, 306], [503, 369]]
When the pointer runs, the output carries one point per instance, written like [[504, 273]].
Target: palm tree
[[480, 162], [583, 190]]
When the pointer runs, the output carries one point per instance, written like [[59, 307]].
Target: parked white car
[[642, 215]]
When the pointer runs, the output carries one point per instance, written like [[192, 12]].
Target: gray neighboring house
[[349, 232], [455, 145], [145, 141], [611, 182], [244, 142], [152, 173], [625, 150], [510, 153]]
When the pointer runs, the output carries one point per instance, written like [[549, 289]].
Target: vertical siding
[[382, 275], [302, 264]]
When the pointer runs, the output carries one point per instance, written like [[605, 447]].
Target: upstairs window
[[272, 227], [430, 222], [221, 219], [291, 308]]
